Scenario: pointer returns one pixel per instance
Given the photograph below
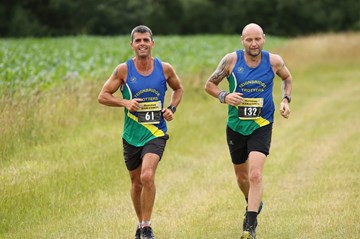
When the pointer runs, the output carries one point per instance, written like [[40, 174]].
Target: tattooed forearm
[[221, 71]]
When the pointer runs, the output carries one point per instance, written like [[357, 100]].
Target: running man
[[143, 83], [250, 73]]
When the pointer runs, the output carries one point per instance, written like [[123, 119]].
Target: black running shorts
[[133, 155], [240, 145]]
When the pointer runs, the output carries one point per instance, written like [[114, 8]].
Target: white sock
[[145, 223]]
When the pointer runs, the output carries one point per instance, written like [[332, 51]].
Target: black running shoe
[[147, 233], [138, 233]]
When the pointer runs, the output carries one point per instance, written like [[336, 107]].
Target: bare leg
[[135, 192], [242, 172], [148, 169], [256, 162]]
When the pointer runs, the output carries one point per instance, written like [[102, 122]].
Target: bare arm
[[106, 95], [174, 82], [286, 85], [223, 70]]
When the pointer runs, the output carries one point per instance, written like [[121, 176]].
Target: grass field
[[62, 174]]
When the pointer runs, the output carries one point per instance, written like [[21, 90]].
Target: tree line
[[48, 18]]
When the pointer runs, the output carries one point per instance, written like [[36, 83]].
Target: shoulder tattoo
[[281, 64], [221, 71], [115, 72]]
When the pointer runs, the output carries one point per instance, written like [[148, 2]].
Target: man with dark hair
[[250, 73], [143, 83]]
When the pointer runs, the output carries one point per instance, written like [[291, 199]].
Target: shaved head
[[252, 28], [253, 39]]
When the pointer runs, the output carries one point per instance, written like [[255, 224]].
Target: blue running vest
[[253, 83], [150, 88]]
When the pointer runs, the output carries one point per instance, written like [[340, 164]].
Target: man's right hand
[[133, 104], [234, 99]]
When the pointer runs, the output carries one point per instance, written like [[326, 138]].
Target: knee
[[242, 178], [255, 177], [147, 178], [136, 184]]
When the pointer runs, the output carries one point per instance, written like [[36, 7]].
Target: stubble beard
[[253, 53]]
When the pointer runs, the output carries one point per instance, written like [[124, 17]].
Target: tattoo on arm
[[282, 71], [115, 71], [282, 65], [221, 71]]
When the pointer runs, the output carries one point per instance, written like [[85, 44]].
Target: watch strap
[[288, 98], [172, 108]]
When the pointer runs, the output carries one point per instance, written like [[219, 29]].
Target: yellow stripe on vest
[[153, 129], [262, 122]]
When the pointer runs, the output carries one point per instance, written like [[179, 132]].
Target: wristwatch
[[172, 108], [288, 98]]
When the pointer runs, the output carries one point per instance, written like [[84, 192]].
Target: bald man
[[250, 73]]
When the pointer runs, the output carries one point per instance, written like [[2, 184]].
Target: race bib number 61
[[149, 112], [251, 108]]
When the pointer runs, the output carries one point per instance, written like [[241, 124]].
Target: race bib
[[251, 108], [149, 112]]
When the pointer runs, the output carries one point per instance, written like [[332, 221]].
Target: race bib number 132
[[251, 108], [149, 112]]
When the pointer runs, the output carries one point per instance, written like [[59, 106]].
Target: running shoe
[[138, 233], [147, 233], [248, 234]]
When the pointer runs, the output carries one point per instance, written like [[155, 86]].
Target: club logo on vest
[[240, 70]]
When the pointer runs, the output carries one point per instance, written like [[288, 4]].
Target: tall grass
[[32, 65], [62, 173]]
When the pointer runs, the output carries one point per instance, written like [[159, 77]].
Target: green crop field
[[62, 173]]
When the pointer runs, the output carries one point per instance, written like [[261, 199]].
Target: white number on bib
[[149, 112], [251, 108]]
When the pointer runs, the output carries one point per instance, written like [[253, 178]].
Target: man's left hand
[[167, 114], [285, 109]]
